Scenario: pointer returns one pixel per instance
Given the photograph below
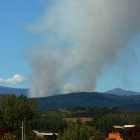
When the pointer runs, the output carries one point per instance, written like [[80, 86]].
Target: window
[[130, 133], [113, 132]]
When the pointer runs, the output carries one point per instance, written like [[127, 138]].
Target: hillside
[[91, 112], [121, 92], [16, 91], [87, 99]]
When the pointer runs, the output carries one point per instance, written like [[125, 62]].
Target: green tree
[[76, 131], [85, 132], [97, 135], [104, 122], [32, 136], [135, 120], [13, 110], [51, 122]]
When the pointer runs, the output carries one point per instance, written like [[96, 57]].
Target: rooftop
[[124, 129]]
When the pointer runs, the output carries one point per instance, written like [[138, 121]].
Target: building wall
[[113, 134], [74, 119], [1, 133], [135, 134]]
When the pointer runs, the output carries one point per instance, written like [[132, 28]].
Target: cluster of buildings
[[126, 132]]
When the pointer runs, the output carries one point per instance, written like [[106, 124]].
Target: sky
[[14, 38], [60, 47]]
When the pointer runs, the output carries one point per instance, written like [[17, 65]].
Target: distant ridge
[[87, 99], [84, 99], [121, 92], [16, 91]]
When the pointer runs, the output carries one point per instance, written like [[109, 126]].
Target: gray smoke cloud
[[77, 37]]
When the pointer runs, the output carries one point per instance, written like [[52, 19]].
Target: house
[[123, 133], [48, 136]]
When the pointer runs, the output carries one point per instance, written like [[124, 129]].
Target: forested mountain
[[16, 91], [87, 99]]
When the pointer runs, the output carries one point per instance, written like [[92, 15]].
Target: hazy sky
[[66, 46]]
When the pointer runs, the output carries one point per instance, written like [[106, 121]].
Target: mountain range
[[121, 92], [84, 99], [16, 91]]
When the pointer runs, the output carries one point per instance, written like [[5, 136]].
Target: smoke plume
[[76, 38]]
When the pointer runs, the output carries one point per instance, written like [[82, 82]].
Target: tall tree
[[135, 120], [14, 109]]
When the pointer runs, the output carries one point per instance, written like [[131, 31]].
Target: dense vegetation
[[87, 99], [13, 110], [51, 121], [54, 122], [77, 131]]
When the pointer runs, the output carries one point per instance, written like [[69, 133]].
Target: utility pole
[[22, 130]]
